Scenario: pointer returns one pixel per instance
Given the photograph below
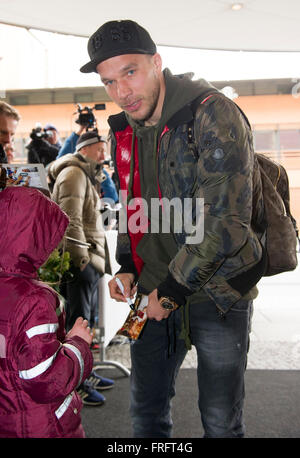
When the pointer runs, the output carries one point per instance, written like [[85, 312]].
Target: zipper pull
[[222, 315]]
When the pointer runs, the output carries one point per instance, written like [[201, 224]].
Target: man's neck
[[87, 159]]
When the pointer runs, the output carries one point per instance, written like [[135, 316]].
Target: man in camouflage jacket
[[181, 139]]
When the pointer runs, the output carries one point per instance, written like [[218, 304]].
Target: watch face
[[167, 305]]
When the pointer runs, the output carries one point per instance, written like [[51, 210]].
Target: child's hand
[[82, 330]]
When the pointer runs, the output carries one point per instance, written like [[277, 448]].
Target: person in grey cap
[[75, 177], [182, 139]]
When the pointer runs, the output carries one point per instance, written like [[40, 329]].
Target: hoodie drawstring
[[185, 324], [185, 329]]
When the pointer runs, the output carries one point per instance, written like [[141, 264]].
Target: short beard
[[153, 104]]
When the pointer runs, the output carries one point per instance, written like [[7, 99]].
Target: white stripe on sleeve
[[63, 407], [37, 370], [79, 357], [42, 329]]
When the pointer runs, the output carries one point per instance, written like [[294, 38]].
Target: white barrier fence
[[112, 314]]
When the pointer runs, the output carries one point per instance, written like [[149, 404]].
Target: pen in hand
[[128, 300]]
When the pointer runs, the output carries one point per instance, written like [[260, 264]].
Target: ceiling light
[[237, 6]]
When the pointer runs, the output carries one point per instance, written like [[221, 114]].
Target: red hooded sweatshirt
[[39, 369]]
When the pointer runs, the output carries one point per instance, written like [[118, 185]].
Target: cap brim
[[89, 67], [92, 65]]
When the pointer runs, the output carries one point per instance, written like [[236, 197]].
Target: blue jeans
[[221, 344]]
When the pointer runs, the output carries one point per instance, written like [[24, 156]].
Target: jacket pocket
[[241, 306], [67, 416]]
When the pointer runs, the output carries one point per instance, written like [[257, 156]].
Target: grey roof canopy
[[259, 25]]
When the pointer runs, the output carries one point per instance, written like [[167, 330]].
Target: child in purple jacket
[[40, 366]]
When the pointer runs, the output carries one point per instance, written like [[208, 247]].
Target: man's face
[[9, 150], [134, 83], [96, 152], [53, 138], [8, 126]]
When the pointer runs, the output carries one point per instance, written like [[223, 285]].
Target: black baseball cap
[[115, 38]]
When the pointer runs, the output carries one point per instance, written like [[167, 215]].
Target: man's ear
[[157, 60]]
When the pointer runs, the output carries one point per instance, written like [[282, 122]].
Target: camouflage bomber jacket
[[227, 262]]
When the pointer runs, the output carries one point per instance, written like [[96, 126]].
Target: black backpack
[[280, 229]]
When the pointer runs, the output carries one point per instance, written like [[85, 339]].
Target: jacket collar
[[183, 116], [91, 168]]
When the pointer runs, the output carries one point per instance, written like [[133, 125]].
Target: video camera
[[38, 133], [86, 116]]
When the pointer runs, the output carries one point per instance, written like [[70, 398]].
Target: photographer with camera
[[53, 135], [87, 122], [40, 149]]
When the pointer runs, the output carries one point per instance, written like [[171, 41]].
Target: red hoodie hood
[[32, 226]]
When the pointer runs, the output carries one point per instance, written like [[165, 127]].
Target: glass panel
[[289, 139], [264, 140]]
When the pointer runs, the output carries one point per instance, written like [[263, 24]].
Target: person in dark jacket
[[40, 366], [40, 150], [181, 141]]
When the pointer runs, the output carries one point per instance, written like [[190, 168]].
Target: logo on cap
[[97, 42], [120, 33], [116, 38]]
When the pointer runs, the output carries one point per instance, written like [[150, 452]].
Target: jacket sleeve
[[224, 179], [108, 188], [124, 257], [47, 369], [69, 145], [71, 196]]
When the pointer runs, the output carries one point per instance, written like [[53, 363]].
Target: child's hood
[[32, 226]]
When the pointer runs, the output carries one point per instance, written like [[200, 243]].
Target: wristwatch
[[168, 303]]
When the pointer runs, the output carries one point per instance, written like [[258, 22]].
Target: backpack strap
[[190, 130], [190, 127]]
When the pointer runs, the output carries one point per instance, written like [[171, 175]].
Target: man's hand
[[154, 310], [81, 329], [80, 130], [129, 289]]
